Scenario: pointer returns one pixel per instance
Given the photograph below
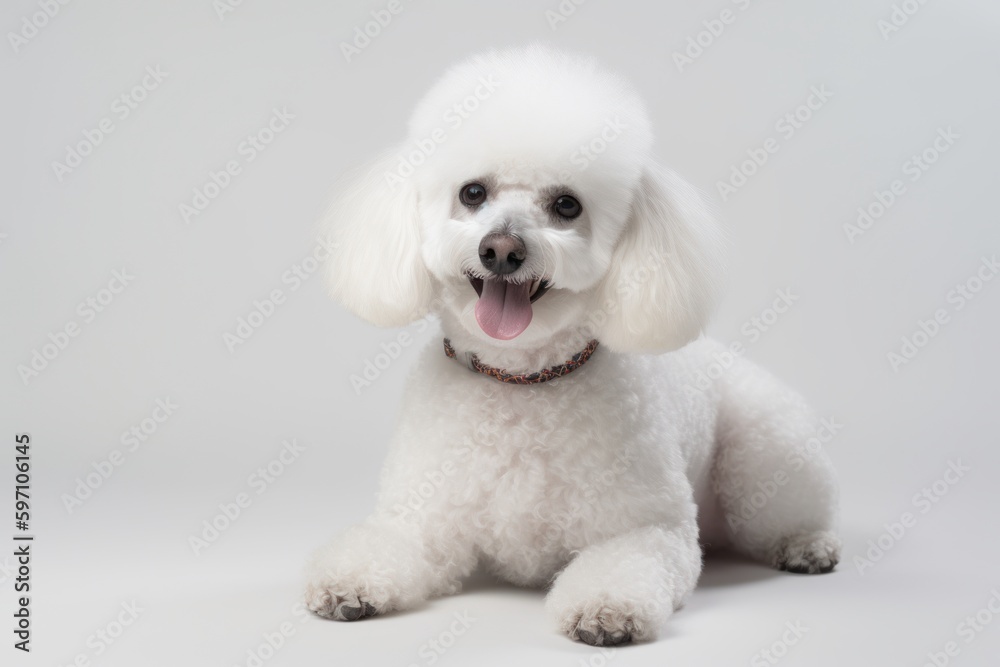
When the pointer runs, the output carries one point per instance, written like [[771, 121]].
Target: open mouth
[[504, 308], [539, 286]]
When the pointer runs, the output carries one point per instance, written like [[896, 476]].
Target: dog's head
[[525, 201]]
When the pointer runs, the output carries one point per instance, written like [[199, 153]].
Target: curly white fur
[[604, 483]]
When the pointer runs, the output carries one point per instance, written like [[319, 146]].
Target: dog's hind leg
[[774, 482]]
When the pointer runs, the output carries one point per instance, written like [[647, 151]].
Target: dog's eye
[[472, 194], [567, 207]]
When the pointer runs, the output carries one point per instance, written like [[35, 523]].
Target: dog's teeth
[[534, 286]]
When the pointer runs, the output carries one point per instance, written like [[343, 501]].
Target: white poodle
[[549, 439]]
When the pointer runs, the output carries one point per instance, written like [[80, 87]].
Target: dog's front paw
[[607, 626], [371, 569], [807, 553], [605, 619], [332, 601]]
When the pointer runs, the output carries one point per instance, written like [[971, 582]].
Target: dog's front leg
[[626, 587], [381, 565]]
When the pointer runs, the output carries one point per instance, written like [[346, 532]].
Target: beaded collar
[[544, 375]]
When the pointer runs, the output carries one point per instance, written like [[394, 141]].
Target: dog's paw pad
[[808, 553], [349, 613], [327, 604], [606, 628]]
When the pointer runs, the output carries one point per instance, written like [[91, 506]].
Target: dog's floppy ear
[[665, 271], [373, 230]]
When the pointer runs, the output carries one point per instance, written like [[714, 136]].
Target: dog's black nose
[[502, 253]]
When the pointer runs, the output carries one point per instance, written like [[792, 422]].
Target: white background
[[162, 336]]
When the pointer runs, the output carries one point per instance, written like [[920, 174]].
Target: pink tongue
[[504, 309]]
